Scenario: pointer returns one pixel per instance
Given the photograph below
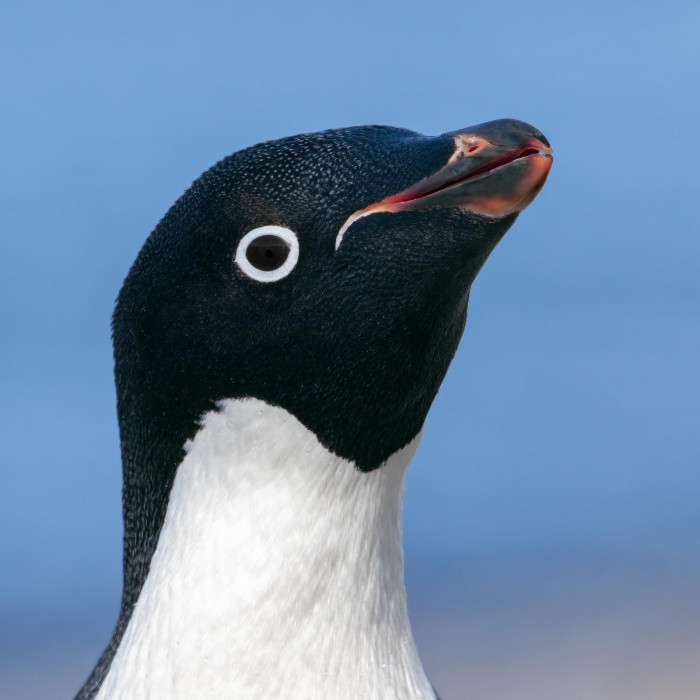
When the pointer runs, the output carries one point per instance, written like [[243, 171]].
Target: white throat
[[278, 574]]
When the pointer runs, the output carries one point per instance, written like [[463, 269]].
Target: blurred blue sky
[[569, 419]]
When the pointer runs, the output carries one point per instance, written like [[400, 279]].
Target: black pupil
[[267, 252]]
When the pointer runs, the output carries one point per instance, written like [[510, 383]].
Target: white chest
[[278, 574]]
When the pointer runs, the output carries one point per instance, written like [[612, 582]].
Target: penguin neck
[[278, 573]]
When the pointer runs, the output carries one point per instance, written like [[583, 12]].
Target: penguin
[[278, 343]]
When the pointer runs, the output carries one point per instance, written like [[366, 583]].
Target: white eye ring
[[244, 263]]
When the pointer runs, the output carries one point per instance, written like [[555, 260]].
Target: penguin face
[[327, 273]]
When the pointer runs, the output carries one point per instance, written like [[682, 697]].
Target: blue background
[[556, 493]]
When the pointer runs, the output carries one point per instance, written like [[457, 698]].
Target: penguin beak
[[496, 169], [494, 172]]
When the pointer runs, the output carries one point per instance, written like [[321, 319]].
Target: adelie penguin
[[278, 343]]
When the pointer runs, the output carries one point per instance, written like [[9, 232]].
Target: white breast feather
[[278, 574]]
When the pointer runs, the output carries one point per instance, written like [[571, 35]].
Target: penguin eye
[[268, 253]]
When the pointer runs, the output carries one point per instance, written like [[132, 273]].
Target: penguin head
[[326, 273]]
